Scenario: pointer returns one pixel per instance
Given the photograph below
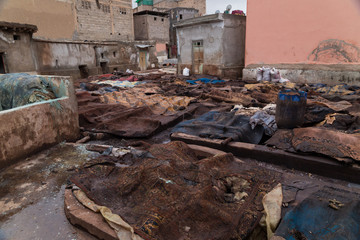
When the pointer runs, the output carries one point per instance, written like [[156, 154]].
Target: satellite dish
[[217, 11], [228, 8]]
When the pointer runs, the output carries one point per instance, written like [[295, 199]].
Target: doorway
[[142, 60], [104, 67], [2, 63], [198, 57]]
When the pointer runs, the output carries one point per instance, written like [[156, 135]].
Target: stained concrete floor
[[32, 192], [32, 195]]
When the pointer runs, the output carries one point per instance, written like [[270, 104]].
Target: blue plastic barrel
[[290, 108]]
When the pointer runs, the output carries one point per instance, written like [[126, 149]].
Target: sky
[[213, 5]]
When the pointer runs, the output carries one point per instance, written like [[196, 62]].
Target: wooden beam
[[323, 166]]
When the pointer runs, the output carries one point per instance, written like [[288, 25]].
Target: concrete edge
[[311, 74], [310, 164]]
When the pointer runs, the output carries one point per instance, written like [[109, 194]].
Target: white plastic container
[[186, 72]]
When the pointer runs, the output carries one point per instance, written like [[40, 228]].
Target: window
[[102, 55], [198, 43], [181, 17], [122, 11], [114, 53], [86, 4], [105, 8], [16, 37], [162, 19], [155, 18]]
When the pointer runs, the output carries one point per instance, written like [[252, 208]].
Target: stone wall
[[168, 4], [67, 58], [197, 4], [312, 73], [151, 27], [54, 19], [108, 20], [158, 28], [16, 51], [179, 14], [31, 128], [92, 20], [223, 38]]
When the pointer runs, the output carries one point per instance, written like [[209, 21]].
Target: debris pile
[[161, 190], [170, 192]]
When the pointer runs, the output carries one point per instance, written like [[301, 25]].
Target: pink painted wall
[[306, 31]]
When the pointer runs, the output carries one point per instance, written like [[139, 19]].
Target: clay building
[[74, 37], [91, 20], [176, 15], [165, 5], [150, 25], [212, 44], [15, 47], [169, 4]]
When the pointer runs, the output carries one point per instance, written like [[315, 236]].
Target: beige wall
[[73, 19], [111, 20], [167, 4], [54, 18], [27, 129], [307, 31], [197, 4]]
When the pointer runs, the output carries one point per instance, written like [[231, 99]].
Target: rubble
[[154, 184], [174, 191]]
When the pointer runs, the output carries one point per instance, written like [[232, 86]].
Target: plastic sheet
[[222, 125], [205, 80], [328, 214], [19, 89]]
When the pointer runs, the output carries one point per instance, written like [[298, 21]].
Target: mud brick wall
[[104, 20], [167, 4], [197, 4]]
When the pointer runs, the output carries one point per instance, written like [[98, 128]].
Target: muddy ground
[[32, 200]]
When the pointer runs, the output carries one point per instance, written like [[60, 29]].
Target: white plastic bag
[[259, 74], [266, 75], [275, 75]]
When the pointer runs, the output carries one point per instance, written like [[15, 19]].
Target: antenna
[[228, 8], [217, 11]]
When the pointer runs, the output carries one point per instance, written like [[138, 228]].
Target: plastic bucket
[[290, 109]]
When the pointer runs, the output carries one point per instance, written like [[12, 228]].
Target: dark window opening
[[155, 18], [162, 19], [198, 43], [16, 37], [84, 71], [2, 63], [122, 10], [86, 4], [114, 53], [102, 55], [180, 16], [104, 67], [105, 8]]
